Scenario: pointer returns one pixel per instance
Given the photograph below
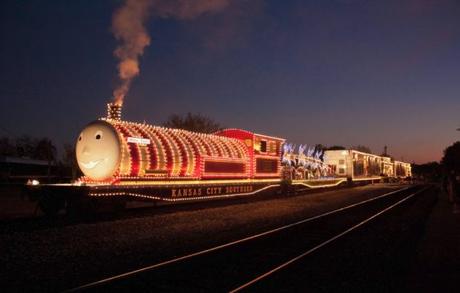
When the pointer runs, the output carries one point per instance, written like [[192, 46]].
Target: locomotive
[[117, 152]]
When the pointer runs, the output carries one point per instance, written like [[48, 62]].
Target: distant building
[[18, 170]]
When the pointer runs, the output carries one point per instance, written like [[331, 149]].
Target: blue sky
[[334, 72]]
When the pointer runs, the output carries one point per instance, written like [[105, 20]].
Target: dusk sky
[[335, 72]]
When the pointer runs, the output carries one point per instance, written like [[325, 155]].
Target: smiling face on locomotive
[[98, 150]]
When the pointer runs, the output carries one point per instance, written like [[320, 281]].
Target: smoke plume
[[128, 27], [188, 9]]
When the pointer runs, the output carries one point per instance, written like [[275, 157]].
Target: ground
[[63, 255]]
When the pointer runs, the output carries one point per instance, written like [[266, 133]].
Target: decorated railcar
[[402, 170]]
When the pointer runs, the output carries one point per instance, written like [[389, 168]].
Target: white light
[[78, 183], [33, 182]]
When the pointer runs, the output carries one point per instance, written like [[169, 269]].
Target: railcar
[[402, 169]]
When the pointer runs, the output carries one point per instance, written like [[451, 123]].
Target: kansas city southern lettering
[[209, 191], [186, 192], [238, 189]]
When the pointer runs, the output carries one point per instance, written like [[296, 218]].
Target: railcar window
[[224, 167], [272, 147], [266, 166], [263, 146]]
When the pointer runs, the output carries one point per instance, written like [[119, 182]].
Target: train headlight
[[33, 182]]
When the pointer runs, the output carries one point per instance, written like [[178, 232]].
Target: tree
[[25, 146], [320, 147], [336, 148], [28, 147], [451, 159], [45, 150], [69, 159], [6, 147], [193, 122], [362, 148], [430, 172]]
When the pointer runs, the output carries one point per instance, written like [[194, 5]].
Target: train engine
[[112, 151]]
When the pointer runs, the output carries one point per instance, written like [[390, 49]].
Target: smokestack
[[114, 111]]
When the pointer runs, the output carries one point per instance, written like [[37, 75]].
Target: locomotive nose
[[98, 150], [85, 151]]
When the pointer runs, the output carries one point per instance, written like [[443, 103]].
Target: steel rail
[[295, 259]]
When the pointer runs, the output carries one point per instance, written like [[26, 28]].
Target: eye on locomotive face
[[98, 151]]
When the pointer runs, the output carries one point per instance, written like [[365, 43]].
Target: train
[[124, 161]]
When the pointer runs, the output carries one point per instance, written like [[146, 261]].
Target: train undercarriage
[[78, 199]]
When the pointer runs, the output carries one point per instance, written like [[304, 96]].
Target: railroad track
[[238, 265]]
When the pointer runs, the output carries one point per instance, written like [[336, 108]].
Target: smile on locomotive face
[[98, 150]]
